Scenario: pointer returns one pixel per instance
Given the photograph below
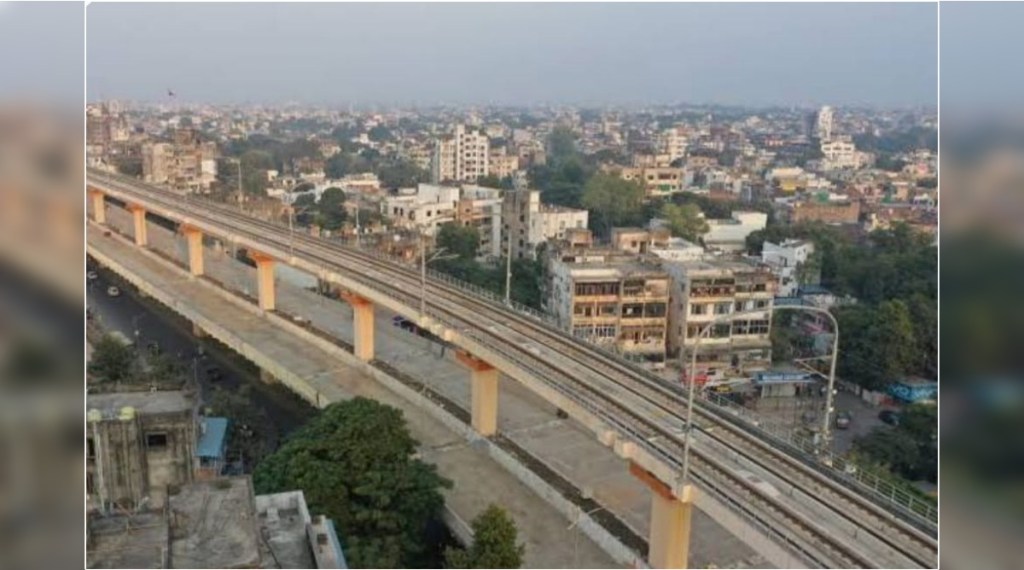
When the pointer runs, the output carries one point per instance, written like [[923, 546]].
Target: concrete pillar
[[139, 214], [362, 327], [99, 206], [484, 394], [195, 249], [264, 279], [669, 541]]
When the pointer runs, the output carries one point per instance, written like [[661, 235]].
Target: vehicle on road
[[843, 420], [214, 373], [113, 291], [92, 276], [890, 417], [761, 485], [405, 324]]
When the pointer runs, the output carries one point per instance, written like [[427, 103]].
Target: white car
[[113, 291], [92, 275], [759, 483]]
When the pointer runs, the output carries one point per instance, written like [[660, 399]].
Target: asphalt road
[[146, 322]]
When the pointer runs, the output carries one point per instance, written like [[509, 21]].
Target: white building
[[672, 143], [463, 156], [678, 249], [423, 208], [839, 154], [786, 259], [826, 123], [731, 234]]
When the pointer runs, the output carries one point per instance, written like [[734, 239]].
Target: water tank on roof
[[94, 415], [127, 413]]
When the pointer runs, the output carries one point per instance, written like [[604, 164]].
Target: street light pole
[[423, 278]]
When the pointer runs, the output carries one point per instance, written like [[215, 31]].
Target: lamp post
[[692, 375], [291, 219], [423, 271]]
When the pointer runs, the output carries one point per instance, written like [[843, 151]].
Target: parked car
[[113, 291], [92, 276], [214, 373], [843, 420], [890, 417]]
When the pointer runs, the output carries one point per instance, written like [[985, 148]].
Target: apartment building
[[656, 181], [840, 153], [185, 164], [672, 142], [423, 208], [611, 298], [502, 164], [461, 156], [738, 295], [530, 222]]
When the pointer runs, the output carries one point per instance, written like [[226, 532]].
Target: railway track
[[602, 383]]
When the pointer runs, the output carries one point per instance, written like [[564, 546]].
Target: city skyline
[[510, 55]]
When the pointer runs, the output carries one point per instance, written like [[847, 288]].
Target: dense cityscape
[[721, 237]]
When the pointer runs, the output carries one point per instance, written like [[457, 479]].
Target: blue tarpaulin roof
[[211, 443]]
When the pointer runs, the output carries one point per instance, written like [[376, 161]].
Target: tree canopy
[[401, 174], [614, 201], [494, 543], [331, 207], [685, 221], [113, 360], [354, 462], [460, 240]]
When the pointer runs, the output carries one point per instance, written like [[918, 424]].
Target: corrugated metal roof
[[211, 443]]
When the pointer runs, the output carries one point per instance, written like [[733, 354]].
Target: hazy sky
[[41, 50], [981, 54], [882, 54]]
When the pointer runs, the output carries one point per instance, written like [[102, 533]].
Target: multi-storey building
[[423, 208], [527, 223], [841, 212], [502, 164], [824, 124], [840, 153], [185, 164], [656, 181], [730, 234], [673, 143], [610, 298], [462, 156], [737, 296]]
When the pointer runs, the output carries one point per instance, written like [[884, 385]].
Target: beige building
[[185, 164], [462, 156], [138, 444], [502, 164], [706, 290], [610, 298], [656, 181], [480, 207]]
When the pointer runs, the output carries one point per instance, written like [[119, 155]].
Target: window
[[156, 440], [90, 448], [698, 309], [722, 308], [761, 303], [739, 306], [654, 310], [609, 309], [604, 332], [632, 310]]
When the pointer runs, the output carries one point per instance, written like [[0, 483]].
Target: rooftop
[[144, 403], [211, 442], [285, 516], [214, 525], [127, 541]]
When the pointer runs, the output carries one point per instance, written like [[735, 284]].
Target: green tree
[[876, 344], [255, 164], [685, 221], [402, 174], [331, 208], [492, 181], [251, 434], [561, 145], [614, 200], [345, 163], [354, 463], [380, 133], [494, 543], [113, 360], [305, 209], [460, 240]]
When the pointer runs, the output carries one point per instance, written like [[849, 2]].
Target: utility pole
[[423, 278], [508, 268]]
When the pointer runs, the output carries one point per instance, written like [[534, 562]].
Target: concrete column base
[[484, 394], [669, 541], [139, 218], [99, 206], [362, 326], [195, 249], [265, 280]]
